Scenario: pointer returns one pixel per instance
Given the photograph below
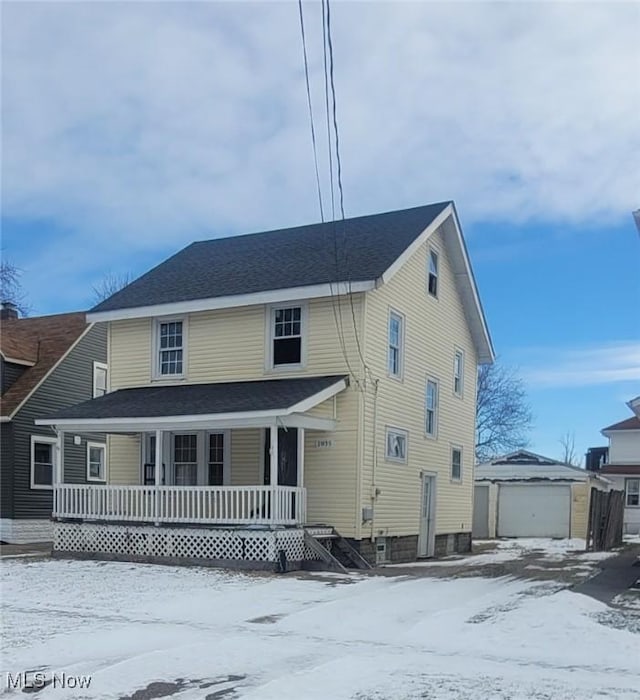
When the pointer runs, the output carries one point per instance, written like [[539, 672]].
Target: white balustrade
[[214, 505]]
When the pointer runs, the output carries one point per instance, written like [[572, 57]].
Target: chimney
[[8, 311]]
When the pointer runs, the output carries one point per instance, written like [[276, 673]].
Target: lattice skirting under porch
[[149, 542]]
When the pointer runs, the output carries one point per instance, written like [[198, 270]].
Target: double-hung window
[[96, 461], [396, 445], [456, 464], [170, 344], [43, 450], [395, 349], [185, 459], [99, 379], [431, 408], [286, 336], [432, 274], [216, 459], [632, 493], [458, 372]]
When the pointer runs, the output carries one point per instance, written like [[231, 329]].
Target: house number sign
[[323, 444]]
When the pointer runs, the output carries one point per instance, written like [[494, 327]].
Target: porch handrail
[[212, 505]]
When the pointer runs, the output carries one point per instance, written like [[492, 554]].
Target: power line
[[313, 131]]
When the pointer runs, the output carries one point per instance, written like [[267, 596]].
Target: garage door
[[534, 510], [481, 512]]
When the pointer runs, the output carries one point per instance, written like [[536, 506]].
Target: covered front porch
[[201, 472]]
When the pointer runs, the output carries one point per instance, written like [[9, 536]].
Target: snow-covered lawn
[[207, 632]]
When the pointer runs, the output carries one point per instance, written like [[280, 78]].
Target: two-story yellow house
[[317, 381]]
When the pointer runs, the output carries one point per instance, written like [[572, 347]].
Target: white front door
[[426, 536]]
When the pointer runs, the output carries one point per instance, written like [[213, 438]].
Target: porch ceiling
[[192, 406]]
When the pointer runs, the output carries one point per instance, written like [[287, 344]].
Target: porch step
[[342, 556], [318, 548]]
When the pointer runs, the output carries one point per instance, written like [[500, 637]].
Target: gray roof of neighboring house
[[198, 399], [366, 247], [527, 466]]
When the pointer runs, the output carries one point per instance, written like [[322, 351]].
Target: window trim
[[102, 446], [46, 439], [390, 429], [157, 322], [452, 478], [200, 456], [433, 252], [627, 493], [458, 351], [400, 374], [270, 310], [436, 411], [105, 367]]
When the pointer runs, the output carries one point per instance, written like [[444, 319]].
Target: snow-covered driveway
[[210, 634]]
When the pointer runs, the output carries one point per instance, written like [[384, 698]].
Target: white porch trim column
[[300, 481], [273, 470], [158, 474]]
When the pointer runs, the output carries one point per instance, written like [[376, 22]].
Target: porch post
[[57, 477], [273, 470], [300, 457], [158, 475]]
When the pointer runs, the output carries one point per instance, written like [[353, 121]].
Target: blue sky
[[130, 129]]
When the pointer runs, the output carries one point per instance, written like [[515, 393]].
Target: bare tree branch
[[110, 284], [503, 415], [569, 454], [11, 287]]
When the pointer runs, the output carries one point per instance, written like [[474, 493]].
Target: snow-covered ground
[[207, 633]]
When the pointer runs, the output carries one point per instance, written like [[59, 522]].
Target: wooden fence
[[606, 510]]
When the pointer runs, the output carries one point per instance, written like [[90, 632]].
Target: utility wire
[[313, 131], [329, 45]]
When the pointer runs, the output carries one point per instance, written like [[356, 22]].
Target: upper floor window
[[396, 445], [456, 464], [632, 493], [96, 461], [396, 333], [432, 283], [431, 408], [458, 372], [99, 379], [170, 348], [42, 461], [286, 335]]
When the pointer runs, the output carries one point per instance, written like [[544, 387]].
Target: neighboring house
[[47, 364], [523, 494], [267, 383], [622, 465]]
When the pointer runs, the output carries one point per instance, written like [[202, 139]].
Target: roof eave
[[272, 296]]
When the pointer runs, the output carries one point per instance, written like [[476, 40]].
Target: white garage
[[527, 495], [534, 510]]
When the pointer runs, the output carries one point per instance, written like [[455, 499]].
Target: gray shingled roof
[[293, 257], [198, 399]]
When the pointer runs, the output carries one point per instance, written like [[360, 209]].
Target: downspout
[[374, 488]]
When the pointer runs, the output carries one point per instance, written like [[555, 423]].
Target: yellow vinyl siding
[[246, 456], [130, 353], [123, 454], [433, 329]]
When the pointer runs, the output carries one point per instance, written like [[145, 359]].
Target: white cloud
[[140, 126], [606, 364]]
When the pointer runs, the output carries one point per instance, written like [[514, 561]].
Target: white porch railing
[[211, 505]]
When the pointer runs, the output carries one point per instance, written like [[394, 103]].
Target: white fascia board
[[17, 361], [274, 296], [411, 249], [312, 401]]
